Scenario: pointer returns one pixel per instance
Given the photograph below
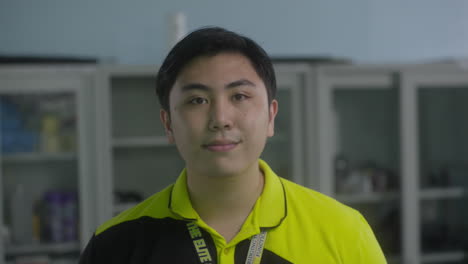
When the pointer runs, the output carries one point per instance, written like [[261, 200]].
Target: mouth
[[221, 145]]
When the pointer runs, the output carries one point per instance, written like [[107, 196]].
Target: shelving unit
[[435, 128], [400, 132], [358, 146], [39, 157], [46, 248], [46, 148], [137, 159], [285, 151], [411, 120], [443, 193], [368, 197]]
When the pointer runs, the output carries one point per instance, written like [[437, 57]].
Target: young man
[[217, 91]]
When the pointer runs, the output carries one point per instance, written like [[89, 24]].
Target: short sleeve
[[368, 250]]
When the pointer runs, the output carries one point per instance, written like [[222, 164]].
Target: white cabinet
[[389, 141], [435, 165], [46, 161], [135, 157], [392, 144], [285, 151], [359, 156]]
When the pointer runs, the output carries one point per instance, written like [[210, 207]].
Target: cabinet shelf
[[443, 257], [56, 248], [394, 259], [135, 142], [442, 193], [375, 197], [39, 157]]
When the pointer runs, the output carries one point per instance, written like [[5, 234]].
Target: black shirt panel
[[146, 240]]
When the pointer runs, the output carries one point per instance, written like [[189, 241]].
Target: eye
[[240, 97], [198, 100]]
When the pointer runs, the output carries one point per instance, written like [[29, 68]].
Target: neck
[[225, 202]]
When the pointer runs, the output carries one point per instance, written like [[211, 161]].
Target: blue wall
[[135, 32]]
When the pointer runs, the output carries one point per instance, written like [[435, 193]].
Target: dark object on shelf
[[341, 167], [127, 196], [26, 59], [439, 178]]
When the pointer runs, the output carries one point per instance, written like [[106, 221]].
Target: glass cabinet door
[[141, 160], [441, 107], [40, 169], [359, 148], [284, 152]]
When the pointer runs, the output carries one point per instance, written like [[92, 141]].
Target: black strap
[[254, 254]]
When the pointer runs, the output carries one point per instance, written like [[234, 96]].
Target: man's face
[[219, 115]]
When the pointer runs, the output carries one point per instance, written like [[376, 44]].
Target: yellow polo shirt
[[303, 227]]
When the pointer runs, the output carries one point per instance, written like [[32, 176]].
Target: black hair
[[210, 41]]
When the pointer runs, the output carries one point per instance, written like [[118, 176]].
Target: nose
[[220, 116]]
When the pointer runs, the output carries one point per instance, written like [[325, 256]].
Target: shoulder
[[332, 223], [322, 210], [156, 206]]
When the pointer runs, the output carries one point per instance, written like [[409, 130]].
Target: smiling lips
[[221, 145]]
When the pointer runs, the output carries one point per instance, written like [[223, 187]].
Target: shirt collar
[[270, 209], [180, 202]]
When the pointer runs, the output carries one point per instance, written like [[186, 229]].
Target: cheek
[[255, 120], [187, 125]]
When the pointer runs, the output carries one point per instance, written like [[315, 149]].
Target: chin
[[228, 167], [224, 167], [224, 170]]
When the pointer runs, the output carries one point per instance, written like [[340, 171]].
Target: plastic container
[[70, 216], [53, 209]]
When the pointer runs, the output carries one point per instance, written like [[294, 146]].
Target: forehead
[[222, 67]]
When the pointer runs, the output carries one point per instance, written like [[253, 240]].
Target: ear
[[166, 121], [273, 110]]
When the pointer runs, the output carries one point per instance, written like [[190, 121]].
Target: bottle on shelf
[[50, 134], [21, 215], [58, 123], [341, 170], [69, 216], [60, 216]]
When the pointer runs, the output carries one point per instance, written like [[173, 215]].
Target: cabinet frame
[[329, 77], [413, 79], [79, 80], [105, 184], [408, 79]]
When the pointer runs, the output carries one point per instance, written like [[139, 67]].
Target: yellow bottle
[[50, 134]]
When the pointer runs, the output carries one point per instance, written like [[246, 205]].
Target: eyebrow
[[241, 82], [199, 86]]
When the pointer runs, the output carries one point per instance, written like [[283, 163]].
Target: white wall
[[135, 32]]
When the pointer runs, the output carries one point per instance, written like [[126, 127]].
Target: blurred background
[[373, 97], [137, 32]]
